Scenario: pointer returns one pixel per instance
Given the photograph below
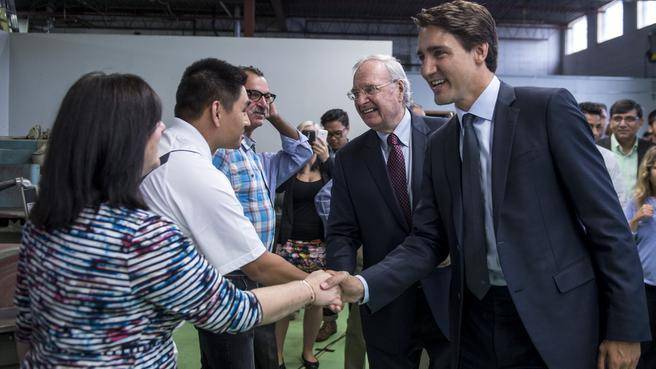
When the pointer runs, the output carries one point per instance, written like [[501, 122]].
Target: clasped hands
[[332, 288]]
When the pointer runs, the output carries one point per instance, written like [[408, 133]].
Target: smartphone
[[311, 135], [29, 196], [322, 134]]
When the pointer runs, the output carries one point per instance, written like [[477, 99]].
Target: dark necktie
[[396, 171], [474, 241]]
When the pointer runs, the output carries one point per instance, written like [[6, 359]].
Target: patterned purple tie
[[396, 171]]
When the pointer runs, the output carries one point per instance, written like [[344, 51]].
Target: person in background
[[625, 121], [593, 115], [336, 122], [640, 214], [102, 281], [301, 239]]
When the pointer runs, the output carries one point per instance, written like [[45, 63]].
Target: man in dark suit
[[625, 122], [376, 183], [545, 272]]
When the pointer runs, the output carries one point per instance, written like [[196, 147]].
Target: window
[[610, 21], [577, 35], [646, 13]]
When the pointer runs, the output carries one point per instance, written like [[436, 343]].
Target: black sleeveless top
[[307, 225]]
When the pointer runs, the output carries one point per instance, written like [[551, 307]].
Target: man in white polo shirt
[[210, 113]]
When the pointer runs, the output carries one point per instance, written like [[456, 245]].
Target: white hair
[[307, 123], [395, 70]]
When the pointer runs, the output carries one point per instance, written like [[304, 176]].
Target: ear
[[480, 52], [401, 90], [216, 113]]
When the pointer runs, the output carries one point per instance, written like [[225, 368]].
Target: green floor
[[330, 357]]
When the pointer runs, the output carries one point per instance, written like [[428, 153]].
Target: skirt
[[307, 256]]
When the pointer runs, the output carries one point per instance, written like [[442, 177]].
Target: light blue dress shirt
[[483, 109]]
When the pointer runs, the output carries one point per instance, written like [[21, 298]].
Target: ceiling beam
[[249, 18]]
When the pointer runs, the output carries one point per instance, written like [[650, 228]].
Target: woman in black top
[[301, 236]]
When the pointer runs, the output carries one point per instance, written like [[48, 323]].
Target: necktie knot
[[468, 120], [393, 140]]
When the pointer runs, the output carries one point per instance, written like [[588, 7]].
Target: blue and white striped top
[[108, 291]]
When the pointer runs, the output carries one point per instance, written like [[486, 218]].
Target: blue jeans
[[253, 349]]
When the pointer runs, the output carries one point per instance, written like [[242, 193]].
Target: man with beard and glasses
[[255, 176]]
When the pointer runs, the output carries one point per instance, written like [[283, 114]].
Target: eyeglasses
[[337, 133], [368, 90], [629, 118], [255, 96]]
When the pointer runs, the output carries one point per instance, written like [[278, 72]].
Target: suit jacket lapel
[[453, 172], [419, 135], [376, 164], [505, 121]]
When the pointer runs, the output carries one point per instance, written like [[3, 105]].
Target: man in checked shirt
[[254, 177]]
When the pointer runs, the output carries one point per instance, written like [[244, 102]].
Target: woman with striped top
[[102, 281]]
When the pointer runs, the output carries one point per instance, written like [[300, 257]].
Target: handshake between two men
[[333, 289]]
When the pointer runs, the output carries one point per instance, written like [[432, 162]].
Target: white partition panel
[[309, 76]]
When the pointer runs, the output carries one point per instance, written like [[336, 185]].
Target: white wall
[[309, 76], [4, 83], [584, 88]]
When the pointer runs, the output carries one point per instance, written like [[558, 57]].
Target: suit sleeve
[[419, 253], [585, 178], [343, 233]]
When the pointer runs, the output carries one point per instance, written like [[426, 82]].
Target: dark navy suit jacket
[[564, 245], [364, 211]]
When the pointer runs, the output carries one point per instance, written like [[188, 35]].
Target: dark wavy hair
[[96, 148], [470, 23]]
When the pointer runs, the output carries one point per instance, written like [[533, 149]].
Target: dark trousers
[[648, 356], [493, 336], [253, 349], [426, 335]]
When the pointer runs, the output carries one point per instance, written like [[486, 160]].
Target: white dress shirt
[[199, 198]]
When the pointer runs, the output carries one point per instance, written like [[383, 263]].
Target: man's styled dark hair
[[96, 149], [470, 23], [651, 117], [251, 69], [335, 114], [625, 106], [204, 81], [593, 108]]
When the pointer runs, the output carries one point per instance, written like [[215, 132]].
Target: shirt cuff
[[365, 297], [290, 142]]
